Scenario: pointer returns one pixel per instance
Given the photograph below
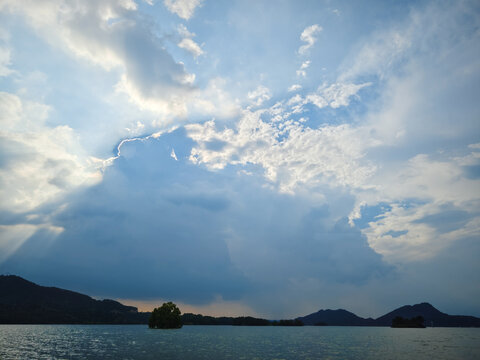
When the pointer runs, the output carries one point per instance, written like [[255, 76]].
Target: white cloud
[[309, 37], [191, 46], [187, 43], [184, 32], [112, 35], [302, 70], [183, 8], [402, 236], [294, 87], [259, 95], [334, 95], [214, 100], [40, 163], [433, 204], [426, 67], [303, 157], [173, 155], [339, 94]]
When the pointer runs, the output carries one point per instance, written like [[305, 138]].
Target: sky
[[243, 157]]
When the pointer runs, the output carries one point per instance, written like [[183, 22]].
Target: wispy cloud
[[309, 37], [187, 43]]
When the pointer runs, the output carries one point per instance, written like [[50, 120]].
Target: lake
[[234, 342]]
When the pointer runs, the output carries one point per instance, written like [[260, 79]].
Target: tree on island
[[165, 317]]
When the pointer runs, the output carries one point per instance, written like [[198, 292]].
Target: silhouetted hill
[[23, 302], [338, 317], [432, 316]]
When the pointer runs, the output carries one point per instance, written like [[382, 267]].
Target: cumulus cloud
[[444, 209], [259, 95], [309, 37], [290, 153], [113, 35], [183, 8], [427, 178], [191, 46]]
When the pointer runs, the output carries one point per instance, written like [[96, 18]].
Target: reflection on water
[[233, 342]]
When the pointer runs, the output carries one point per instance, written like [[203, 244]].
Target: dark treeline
[[197, 319]]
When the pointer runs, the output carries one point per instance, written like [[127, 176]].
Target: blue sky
[[243, 157]]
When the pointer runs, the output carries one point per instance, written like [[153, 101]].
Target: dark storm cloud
[[161, 228]]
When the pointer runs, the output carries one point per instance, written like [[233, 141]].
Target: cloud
[[418, 146], [301, 72], [290, 154], [187, 43], [433, 204], [191, 46], [294, 87], [114, 36], [183, 8], [344, 191], [259, 95], [38, 163], [159, 227], [309, 37], [334, 95]]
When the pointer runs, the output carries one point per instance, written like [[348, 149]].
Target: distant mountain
[[432, 316], [23, 302], [338, 317]]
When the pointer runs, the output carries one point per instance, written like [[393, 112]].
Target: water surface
[[234, 342]]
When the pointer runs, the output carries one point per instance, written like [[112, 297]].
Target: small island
[[166, 316]]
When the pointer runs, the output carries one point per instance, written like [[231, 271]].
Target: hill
[[432, 316], [338, 317], [23, 302]]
